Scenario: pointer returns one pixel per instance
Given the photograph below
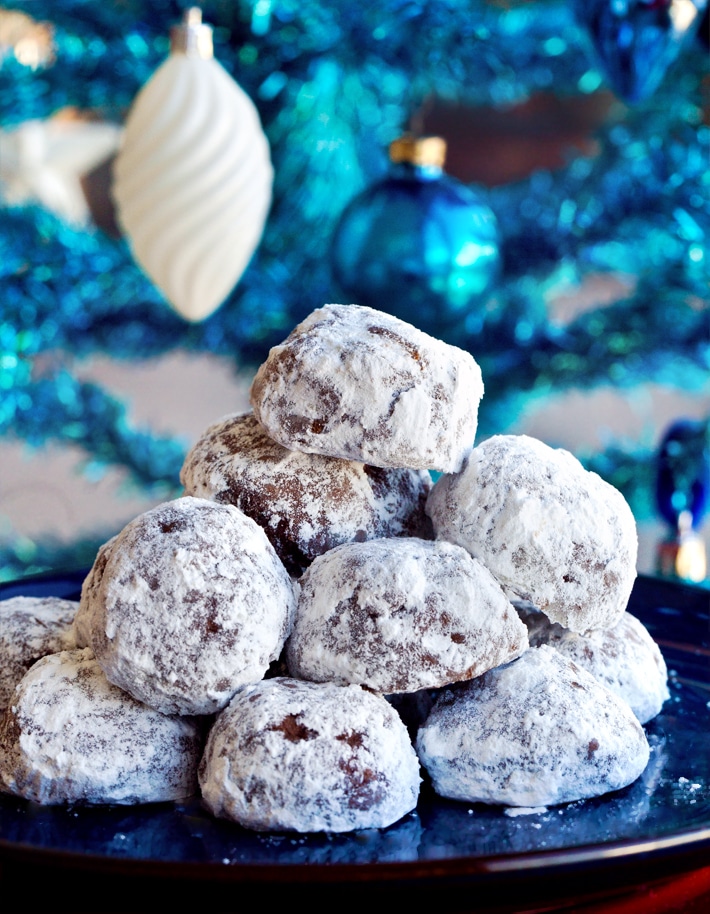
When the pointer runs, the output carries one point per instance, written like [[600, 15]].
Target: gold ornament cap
[[192, 37], [421, 150]]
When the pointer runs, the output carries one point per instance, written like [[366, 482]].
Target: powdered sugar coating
[[309, 757], [355, 383], [305, 503], [31, 628], [536, 732], [192, 603], [399, 615], [70, 736], [624, 658], [550, 531]]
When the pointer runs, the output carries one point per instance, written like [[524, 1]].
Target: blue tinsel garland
[[335, 82]]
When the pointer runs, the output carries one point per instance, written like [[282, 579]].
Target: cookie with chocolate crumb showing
[[192, 603], [550, 531], [358, 384], [70, 736], [400, 615], [306, 503], [536, 732], [31, 628], [309, 757]]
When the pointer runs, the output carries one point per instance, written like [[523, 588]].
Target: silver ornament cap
[[192, 37]]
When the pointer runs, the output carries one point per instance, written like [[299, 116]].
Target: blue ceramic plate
[[663, 819]]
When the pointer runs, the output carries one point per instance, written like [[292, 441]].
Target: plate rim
[[685, 849]]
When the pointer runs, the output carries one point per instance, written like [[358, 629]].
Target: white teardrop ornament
[[193, 178]]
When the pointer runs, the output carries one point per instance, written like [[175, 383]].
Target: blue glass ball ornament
[[637, 40], [418, 244], [683, 474]]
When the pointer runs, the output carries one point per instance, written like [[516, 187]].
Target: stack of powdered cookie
[[244, 636]]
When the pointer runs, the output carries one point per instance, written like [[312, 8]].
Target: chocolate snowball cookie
[[624, 658], [305, 503], [355, 383], [550, 531], [70, 736], [192, 602], [89, 591], [31, 628], [309, 757], [536, 732], [399, 615]]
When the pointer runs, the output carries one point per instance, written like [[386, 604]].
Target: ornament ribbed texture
[[192, 182]]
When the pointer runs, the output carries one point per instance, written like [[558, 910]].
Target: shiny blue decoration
[[683, 480], [419, 245], [637, 40]]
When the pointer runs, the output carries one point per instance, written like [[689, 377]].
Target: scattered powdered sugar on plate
[[514, 811]]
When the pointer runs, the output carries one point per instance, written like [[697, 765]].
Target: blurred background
[[163, 225]]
